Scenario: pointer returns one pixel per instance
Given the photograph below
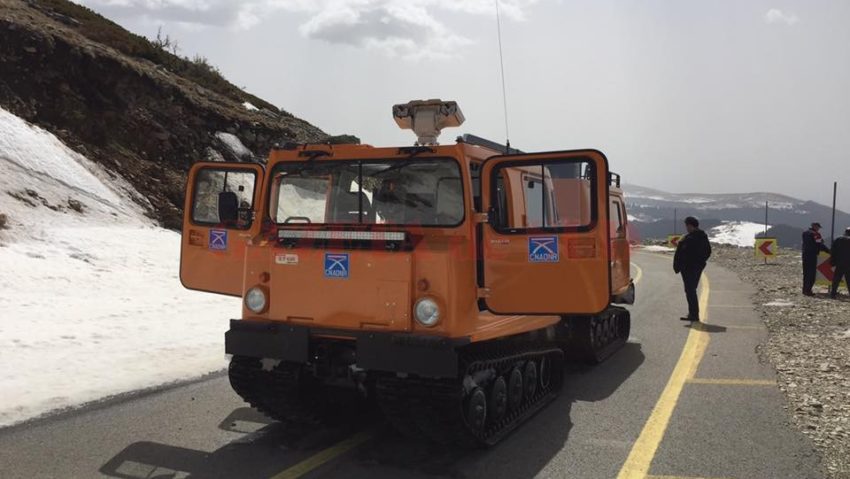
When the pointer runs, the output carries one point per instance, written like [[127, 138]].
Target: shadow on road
[[707, 328], [524, 453], [267, 447]]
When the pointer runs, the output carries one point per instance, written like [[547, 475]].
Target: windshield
[[393, 192]]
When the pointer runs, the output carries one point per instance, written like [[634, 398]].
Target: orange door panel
[[556, 260], [620, 249], [222, 200]]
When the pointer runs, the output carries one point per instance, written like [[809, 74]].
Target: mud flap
[[267, 340]]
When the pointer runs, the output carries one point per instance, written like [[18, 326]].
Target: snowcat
[[449, 283]]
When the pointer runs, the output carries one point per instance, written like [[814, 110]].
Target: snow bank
[[249, 106], [737, 233], [99, 311], [91, 303]]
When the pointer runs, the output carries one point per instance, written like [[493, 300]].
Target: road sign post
[[673, 240], [825, 271], [766, 248]]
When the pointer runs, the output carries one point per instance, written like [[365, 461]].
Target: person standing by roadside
[[841, 260], [692, 253], [812, 246]]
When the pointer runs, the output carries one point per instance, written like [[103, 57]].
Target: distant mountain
[[730, 218]]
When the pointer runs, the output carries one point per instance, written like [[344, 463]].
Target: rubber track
[[613, 327], [277, 393], [434, 408]]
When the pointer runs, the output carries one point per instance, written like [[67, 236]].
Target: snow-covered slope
[[91, 303], [737, 233]]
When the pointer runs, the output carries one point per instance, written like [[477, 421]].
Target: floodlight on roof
[[427, 117]]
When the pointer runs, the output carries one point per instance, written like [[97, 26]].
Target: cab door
[[545, 247], [219, 218]]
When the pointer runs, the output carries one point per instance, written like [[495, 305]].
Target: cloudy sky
[[723, 96]]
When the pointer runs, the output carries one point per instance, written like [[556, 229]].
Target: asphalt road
[[676, 402]]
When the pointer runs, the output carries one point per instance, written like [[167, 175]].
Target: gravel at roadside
[[808, 345]]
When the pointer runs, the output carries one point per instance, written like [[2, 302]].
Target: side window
[[551, 194], [223, 198], [617, 225]]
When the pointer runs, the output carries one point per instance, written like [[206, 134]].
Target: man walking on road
[[841, 260], [812, 246], [692, 253]]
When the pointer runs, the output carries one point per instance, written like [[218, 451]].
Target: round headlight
[[255, 299], [427, 312]]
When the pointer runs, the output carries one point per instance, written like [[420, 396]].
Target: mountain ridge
[[652, 212]]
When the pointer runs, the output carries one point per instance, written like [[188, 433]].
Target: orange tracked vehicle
[[448, 282]]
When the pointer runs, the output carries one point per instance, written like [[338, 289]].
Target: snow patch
[[780, 303], [249, 106], [736, 233], [658, 249], [641, 218], [234, 144], [46, 184]]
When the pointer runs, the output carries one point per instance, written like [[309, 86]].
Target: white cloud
[[774, 15], [398, 28]]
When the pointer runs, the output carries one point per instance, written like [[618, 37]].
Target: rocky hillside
[[131, 104]]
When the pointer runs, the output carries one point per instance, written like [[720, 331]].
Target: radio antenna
[[502, 67]]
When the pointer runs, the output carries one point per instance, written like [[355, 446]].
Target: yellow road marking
[[643, 451], [733, 382], [639, 274], [324, 456]]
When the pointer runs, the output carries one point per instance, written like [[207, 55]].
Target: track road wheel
[[515, 389], [497, 402], [595, 338], [545, 372], [529, 379], [476, 409]]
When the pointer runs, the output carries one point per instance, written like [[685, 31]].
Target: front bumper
[[379, 351]]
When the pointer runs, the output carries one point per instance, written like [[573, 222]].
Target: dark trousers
[[691, 276], [810, 267], [840, 273]]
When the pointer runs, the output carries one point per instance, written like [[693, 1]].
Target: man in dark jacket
[[812, 246], [841, 260], [692, 253]]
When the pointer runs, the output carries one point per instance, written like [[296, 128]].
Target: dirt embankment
[[120, 102]]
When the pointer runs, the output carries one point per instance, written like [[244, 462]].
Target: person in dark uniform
[[812, 246], [841, 260], [692, 253]]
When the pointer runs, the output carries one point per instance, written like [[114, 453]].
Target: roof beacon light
[[427, 117]]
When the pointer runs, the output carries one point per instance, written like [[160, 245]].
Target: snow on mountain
[[736, 233], [92, 305], [649, 197], [652, 213]]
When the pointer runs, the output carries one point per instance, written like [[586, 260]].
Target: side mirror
[[228, 207]]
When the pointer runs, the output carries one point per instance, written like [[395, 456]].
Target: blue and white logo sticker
[[218, 239], [543, 249], [336, 265]]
